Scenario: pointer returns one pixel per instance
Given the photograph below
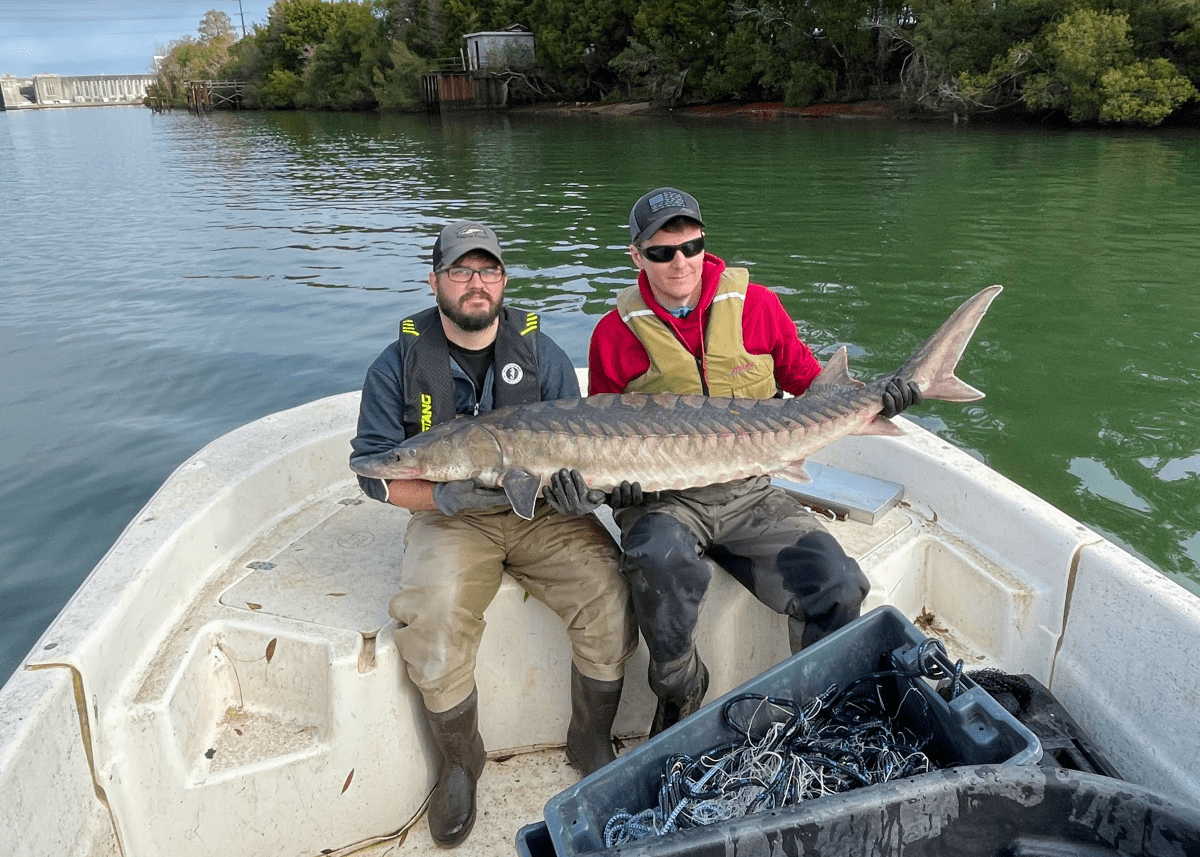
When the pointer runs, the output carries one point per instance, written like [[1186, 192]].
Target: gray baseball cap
[[654, 209], [460, 238]]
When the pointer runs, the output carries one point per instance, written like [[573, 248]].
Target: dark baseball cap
[[460, 238], [654, 209]]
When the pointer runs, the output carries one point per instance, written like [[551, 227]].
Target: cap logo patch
[[512, 374], [470, 232], [666, 199]]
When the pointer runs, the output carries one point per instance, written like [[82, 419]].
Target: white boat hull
[[226, 681]]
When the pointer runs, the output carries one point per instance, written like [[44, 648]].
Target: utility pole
[[243, 16]]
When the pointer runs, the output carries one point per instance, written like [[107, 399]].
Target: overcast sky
[[72, 37]]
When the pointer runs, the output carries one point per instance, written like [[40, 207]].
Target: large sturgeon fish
[[667, 441]]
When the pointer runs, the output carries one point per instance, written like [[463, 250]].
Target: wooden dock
[[204, 96]]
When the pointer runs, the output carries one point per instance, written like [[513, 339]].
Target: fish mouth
[[393, 464]]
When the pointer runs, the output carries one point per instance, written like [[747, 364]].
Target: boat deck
[[328, 572]]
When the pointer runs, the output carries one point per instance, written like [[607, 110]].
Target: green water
[[168, 278]]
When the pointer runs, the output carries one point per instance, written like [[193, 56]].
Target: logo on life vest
[[426, 411], [512, 374], [738, 370]]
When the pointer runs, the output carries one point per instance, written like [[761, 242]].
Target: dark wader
[[760, 535]]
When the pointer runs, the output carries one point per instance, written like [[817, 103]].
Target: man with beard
[[467, 355]]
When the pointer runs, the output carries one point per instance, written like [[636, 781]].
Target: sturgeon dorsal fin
[[836, 373], [521, 487]]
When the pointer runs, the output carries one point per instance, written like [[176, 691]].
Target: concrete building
[[489, 60], [52, 90], [511, 47]]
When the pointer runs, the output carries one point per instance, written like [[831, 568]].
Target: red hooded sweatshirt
[[616, 356]]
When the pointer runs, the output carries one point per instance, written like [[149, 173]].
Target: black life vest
[[429, 394]]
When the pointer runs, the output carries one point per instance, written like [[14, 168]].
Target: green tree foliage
[[672, 41], [807, 50], [195, 57], [458, 18], [1083, 59], [577, 40], [320, 55], [280, 90], [967, 56], [1076, 52], [294, 30], [396, 84], [340, 72], [1109, 61], [1143, 93], [841, 39], [751, 68], [416, 23], [1092, 73]]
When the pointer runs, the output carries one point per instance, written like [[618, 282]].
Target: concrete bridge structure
[[52, 90]]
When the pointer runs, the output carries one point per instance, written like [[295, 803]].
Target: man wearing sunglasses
[[691, 325], [466, 355]]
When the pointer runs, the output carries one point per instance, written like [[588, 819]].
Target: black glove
[[453, 497], [898, 395], [626, 494], [569, 494]]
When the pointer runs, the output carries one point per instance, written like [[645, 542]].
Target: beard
[[469, 322]]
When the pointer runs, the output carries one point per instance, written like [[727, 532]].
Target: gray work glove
[[568, 493], [454, 497], [898, 395]]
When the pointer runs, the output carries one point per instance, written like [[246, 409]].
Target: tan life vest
[[731, 370]]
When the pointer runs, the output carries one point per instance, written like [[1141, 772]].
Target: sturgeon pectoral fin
[[881, 426], [521, 487], [797, 472]]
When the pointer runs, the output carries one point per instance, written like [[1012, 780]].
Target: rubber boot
[[452, 804], [668, 713], [593, 709]]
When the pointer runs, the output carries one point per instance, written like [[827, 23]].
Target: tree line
[[1126, 62]]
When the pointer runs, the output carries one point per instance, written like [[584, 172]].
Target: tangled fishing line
[[787, 754]]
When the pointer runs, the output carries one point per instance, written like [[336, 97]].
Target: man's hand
[[626, 494], [569, 494], [898, 395], [453, 497]]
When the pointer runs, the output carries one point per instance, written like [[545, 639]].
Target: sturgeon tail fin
[[932, 365]]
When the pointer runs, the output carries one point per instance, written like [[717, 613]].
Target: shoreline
[[769, 110]]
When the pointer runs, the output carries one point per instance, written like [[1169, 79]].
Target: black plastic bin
[[533, 840], [978, 811], [1064, 743], [972, 729]]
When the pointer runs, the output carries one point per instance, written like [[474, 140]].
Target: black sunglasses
[[661, 253]]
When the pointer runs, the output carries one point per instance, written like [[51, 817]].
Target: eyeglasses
[[490, 276], [662, 253]]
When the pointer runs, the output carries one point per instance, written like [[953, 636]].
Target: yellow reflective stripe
[[531, 323], [426, 411], [408, 327]]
